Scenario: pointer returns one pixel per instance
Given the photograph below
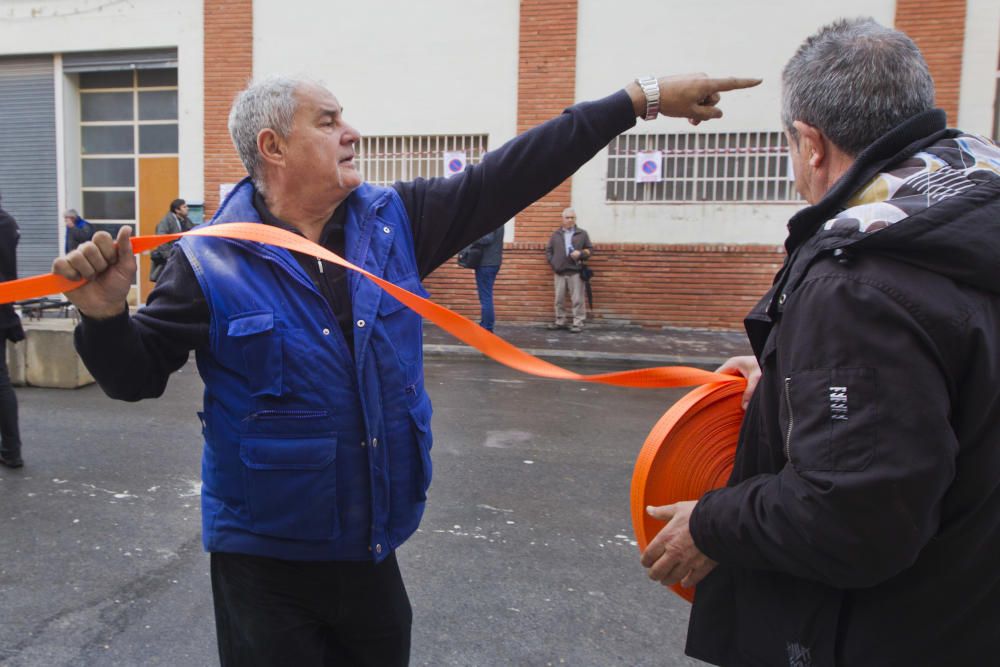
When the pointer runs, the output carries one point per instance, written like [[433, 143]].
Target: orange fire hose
[[688, 452]]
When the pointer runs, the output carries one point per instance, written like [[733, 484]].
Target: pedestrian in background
[[176, 221], [568, 248], [78, 230], [486, 275], [10, 329]]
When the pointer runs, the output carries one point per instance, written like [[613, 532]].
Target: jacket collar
[[906, 139]]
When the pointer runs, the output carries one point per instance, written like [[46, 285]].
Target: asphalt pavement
[[525, 556]]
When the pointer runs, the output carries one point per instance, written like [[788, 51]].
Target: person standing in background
[[175, 221], [486, 275], [10, 328], [78, 230], [568, 247]]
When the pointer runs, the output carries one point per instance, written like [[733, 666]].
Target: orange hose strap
[[689, 451]]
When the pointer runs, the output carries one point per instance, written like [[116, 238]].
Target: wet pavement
[[606, 344], [525, 556]]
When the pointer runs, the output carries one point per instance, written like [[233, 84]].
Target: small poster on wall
[[454, 163], [648, 166], [224, 190]]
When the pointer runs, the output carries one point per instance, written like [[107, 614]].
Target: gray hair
[[855, 80], [268, 103]]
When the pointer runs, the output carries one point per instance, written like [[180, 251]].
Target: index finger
[[729, 83]]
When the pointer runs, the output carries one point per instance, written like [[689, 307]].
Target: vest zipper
[[308, 283], [288, 414], [791, 418]]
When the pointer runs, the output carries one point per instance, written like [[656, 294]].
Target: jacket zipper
[[791, 418]]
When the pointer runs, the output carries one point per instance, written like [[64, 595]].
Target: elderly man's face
[[320, 147], [568, 219]]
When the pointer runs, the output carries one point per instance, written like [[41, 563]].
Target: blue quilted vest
[[310, 453]]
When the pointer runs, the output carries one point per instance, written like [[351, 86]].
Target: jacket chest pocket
[[829, 418], [259, 348]]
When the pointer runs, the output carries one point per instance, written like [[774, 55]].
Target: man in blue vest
[[316, 422]]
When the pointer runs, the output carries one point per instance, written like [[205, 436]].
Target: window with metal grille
[[743, 167], [385, 160]]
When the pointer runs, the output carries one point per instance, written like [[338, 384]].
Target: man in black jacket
[[10, 329], [861, 524], [486, 275]]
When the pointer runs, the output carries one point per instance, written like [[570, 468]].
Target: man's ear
[[812, 143], [270, 147]]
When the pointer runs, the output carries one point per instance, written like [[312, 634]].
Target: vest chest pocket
[[260, 349], [291, 485], [401, 325]]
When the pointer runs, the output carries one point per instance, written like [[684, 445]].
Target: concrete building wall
[[496, 67], [976, 109], [66, 26], [397, 66], [721, 39]]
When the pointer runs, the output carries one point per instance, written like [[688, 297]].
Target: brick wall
[[694, 286], [228, 66], [938, 28], [546, 84]]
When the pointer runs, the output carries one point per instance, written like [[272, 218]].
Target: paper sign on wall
[[648, 166], [454, 163], [224, 190]]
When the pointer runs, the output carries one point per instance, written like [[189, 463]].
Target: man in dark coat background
[[10, 329]]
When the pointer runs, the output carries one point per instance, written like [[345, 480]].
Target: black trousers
[[271, 612], [10, 432]]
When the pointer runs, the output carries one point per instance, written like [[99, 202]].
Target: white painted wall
[[719, 38], [979, 66], [66, 26], [398, 66]]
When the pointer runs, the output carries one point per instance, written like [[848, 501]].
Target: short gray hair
[[855, 80], [268, 103]]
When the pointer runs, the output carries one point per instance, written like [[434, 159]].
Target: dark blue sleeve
[[132, 357], [448, 214]]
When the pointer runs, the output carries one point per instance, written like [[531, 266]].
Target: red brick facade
[[546, 84], [228, 67], [651, 285], [938, 28]]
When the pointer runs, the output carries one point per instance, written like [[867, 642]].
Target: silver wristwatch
[[651, 88]]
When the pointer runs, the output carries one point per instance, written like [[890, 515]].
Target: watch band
[[651, 88]]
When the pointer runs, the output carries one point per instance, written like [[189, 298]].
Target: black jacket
[[861, 525], [492, 245], [10, 324]]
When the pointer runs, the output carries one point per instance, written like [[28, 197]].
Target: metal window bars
[[736, 167], [384, 160]]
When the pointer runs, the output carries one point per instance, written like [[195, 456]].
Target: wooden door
[[159, 184]]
